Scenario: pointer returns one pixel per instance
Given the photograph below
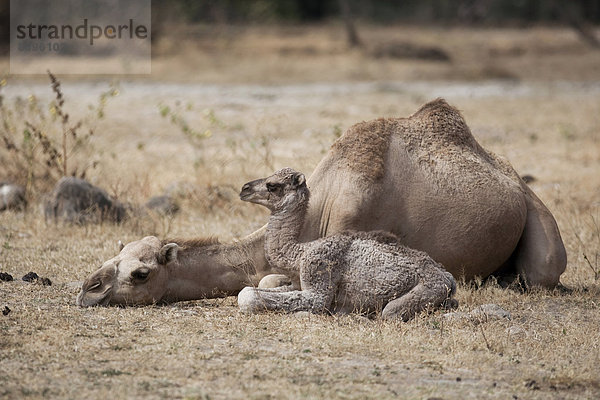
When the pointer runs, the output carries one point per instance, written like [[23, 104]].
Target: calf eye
[[140, 274]]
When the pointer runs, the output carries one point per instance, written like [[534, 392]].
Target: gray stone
[[516, 331], [480, 314], [76, 200], [12, 196], [488, 312]]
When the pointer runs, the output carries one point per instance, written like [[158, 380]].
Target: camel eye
[[272, 187], [94, 286], [140, 274]]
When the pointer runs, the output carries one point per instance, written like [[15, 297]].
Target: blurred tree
[[575, 13], [347, 16], [473, 11]]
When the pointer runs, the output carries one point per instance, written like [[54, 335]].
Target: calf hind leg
[[419, 298]]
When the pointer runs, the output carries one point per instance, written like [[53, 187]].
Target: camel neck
[[282, 246], [215, 270]]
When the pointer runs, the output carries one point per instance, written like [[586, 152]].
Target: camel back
[[436, 137]]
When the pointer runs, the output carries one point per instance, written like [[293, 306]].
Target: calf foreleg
[[252, 300]]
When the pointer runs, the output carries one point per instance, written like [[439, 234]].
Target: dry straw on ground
[[206, 349]]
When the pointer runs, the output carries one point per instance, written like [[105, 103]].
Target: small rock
[[488, 312], [5, 277], [6, 310], [516, 331], [12, 196], [30, 277], [77, 201]]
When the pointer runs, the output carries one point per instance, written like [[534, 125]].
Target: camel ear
[[299, 180], [168, 253], [120, 245]]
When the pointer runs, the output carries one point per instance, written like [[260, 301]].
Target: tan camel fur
[[350, 271], [425, 179]]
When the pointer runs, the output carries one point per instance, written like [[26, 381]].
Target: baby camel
[[348, 272]]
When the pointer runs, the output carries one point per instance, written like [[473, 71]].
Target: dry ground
[[545, 120]]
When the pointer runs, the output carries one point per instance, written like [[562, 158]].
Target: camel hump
[[364, 146], [438, 104], [439, 121]]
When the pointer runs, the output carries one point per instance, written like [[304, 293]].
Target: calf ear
[[299, 180], [168, 253], [120, 245]]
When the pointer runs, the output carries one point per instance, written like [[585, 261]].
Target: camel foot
[[248, 301]]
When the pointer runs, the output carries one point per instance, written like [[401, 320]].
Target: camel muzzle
[[86, 298], [249, 189]]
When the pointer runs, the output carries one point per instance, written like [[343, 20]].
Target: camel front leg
[[253, 300]]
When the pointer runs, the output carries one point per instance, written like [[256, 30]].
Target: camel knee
[[547, 272], [541, 257], [405, 308], [421, 298]]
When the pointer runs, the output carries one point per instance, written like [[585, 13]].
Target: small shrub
[[43, 142]]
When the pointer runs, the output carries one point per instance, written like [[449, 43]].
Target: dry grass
[[206, 349]]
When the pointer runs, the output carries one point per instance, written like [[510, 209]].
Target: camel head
[[137, 275], [277, 192]]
